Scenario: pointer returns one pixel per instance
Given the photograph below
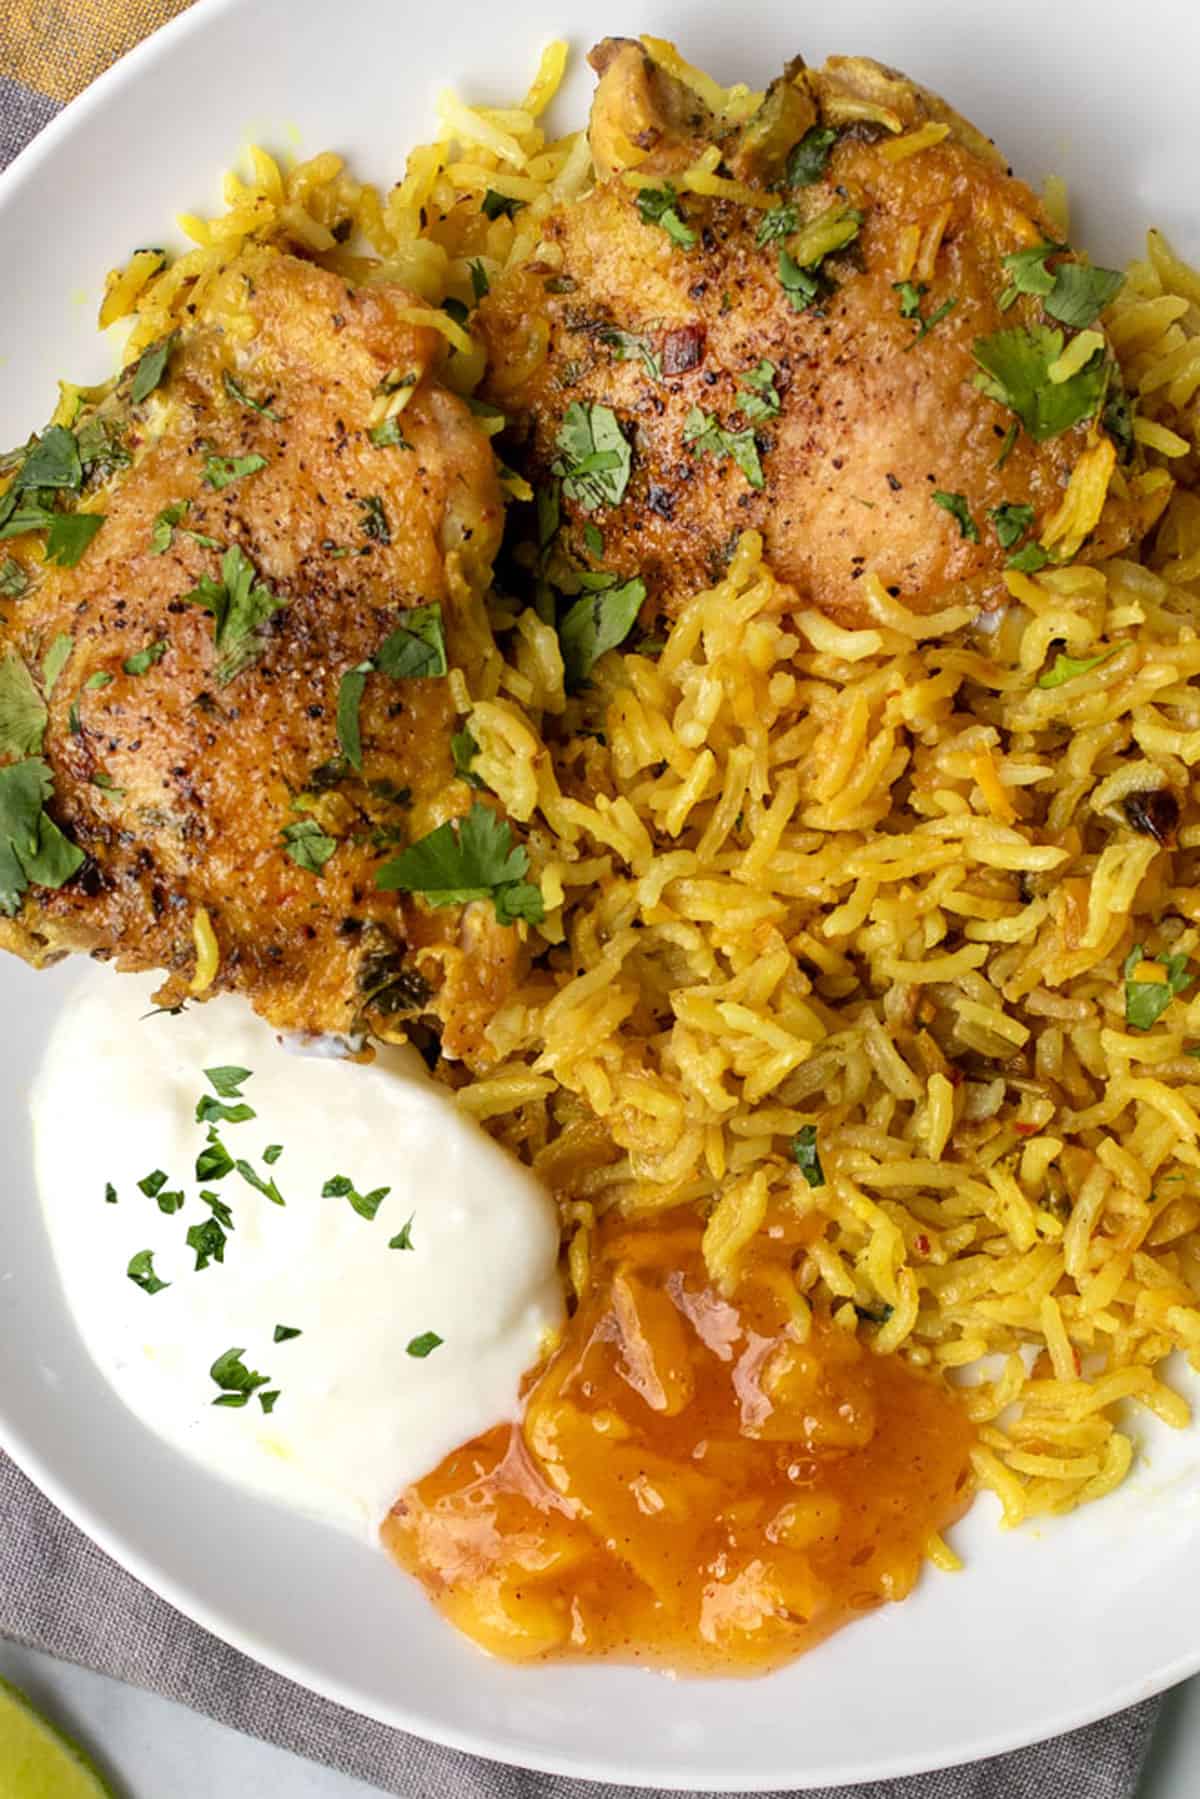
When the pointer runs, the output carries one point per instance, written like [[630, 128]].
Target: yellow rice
[[775, 854]]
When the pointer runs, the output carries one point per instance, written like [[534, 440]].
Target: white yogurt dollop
[[358, 1415]]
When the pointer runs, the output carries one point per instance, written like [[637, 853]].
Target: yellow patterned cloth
[[51, 49]]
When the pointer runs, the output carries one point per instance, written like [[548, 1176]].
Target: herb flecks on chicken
[[172, 743], [810, 322]]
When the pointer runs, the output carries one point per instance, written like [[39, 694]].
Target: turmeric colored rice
[[906, 886]]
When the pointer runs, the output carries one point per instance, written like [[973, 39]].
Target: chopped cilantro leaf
[[214, 1161], [955, 504], [704, 435], [252, 1178], [222, 471], [468, 859], [804, 1152], [22, 710], [1016, 366], [595, 457], [802, 286], [236, 391], [69, 535], [153, 1183], [241, 605], [349, 729], [237, 1382], [424, 1345], [593, 539], [53, 461], [660, 206], [1029, 559], [272, 1153], [339, 1186], [13, 579], [628, 345], [464, 749], [162, 534], [375, 522], [228, 1080], [141, 1272], [495, 206], [403, 1237], [1028, 272], [758, 398], [1146, 1001], [388, 435], [808, 159], [598, 621], [1010, 522], [142, 661], [1067, 668], [308, 845], [267, 1400], [219, 1111], [911, 294], [55, 660], [779, 221], [32, 848], [416, 648], [208, 1240], [220, 1210], [1081, 293], [110, 1194], [285, 1332], [150, 369]]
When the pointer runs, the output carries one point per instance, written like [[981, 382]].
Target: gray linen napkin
[[58, 1592]]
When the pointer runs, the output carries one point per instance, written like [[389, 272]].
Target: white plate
[[1043, 1632]]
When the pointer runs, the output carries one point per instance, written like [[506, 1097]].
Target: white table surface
[[151, 1747]]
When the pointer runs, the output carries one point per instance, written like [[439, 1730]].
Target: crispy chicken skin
[[872, 419], [199, 776]]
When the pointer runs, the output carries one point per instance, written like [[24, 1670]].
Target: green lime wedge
[[36, 1762]]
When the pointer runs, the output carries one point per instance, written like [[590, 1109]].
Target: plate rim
[[22, 170]]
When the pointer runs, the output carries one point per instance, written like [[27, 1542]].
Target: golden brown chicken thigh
[[266, 531], [787, 334]]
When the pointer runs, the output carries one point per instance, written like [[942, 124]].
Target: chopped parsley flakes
[[208, 1240], [285, 1332], [150, 369], [141, 1272], [424, 1345], [375, 520], [236, 391], [627, 346], [466, 859], [340, 1186], [1010, 522], [236, 1381], [403, 1237]]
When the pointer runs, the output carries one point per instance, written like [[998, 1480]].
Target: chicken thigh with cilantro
[[840, 322], [229, 588]]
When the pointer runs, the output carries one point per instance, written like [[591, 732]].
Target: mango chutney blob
[[702, 1480]]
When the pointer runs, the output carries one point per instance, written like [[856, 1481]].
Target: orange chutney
[[697, 1481]]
